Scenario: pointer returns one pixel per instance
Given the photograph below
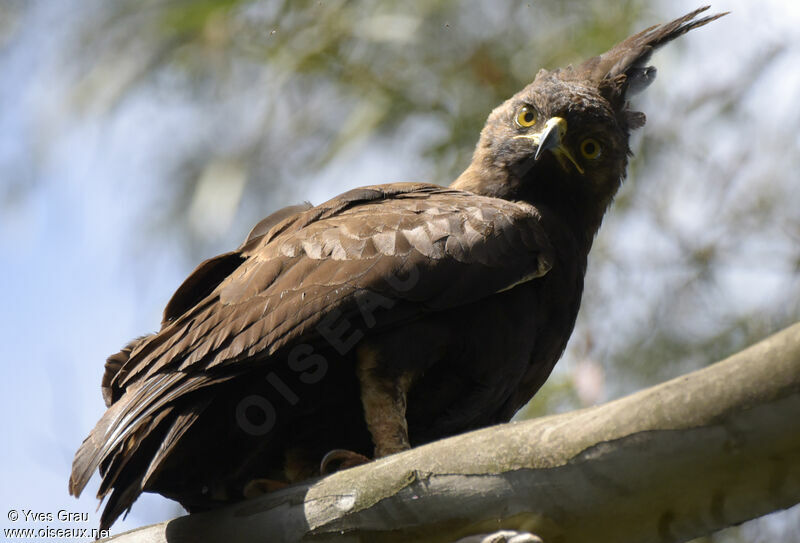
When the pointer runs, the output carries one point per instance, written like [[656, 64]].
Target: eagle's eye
[[526, 117], [591, 148]]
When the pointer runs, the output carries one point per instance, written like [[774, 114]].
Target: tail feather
[[134, 437], [113, 465], [179, 426], [120, 421], [120, 502], [144, 421], [116, 447]]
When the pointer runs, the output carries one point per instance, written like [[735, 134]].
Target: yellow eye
[[526, 117], [591, 148]]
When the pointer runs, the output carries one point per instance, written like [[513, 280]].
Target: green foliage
[[347, 72]]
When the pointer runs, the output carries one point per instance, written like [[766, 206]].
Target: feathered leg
[[384, 401]]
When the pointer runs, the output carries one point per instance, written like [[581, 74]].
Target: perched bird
[[387, 317]]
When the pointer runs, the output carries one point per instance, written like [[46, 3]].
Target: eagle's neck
[[487, 180], [576, 208]]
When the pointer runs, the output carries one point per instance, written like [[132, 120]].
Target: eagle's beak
[[550, 139]]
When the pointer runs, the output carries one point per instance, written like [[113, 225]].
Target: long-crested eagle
[[387, 317]]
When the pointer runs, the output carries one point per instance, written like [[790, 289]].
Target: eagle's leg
[[384, 400]]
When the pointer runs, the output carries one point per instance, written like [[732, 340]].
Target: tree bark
[[682, 459]]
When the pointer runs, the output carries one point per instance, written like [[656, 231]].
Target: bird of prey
[[387, 317]]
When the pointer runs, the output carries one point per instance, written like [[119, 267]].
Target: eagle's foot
[[339, 459], [259, 487]]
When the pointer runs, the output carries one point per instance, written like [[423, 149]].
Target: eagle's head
[[562, 134], [562, 141]]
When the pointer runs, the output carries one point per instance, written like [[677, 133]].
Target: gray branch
[[685, 458]]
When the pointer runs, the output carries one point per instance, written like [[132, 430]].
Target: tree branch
[[685, 458]]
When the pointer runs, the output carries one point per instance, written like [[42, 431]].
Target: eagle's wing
[[358, 254], [421, 243]]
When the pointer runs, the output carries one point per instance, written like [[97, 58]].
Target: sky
[[70, 259]]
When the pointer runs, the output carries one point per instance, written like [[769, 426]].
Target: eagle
[[387, 317]]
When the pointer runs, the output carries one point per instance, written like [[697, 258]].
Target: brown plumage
[[387, 317]]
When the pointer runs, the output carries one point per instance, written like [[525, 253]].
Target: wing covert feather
[[460, 247]]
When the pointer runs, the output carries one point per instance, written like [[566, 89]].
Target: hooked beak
[[550, 139]]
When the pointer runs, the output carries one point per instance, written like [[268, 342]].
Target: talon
[[339, 459], [259, 487]]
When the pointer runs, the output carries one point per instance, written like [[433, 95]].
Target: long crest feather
[[624, 65]]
